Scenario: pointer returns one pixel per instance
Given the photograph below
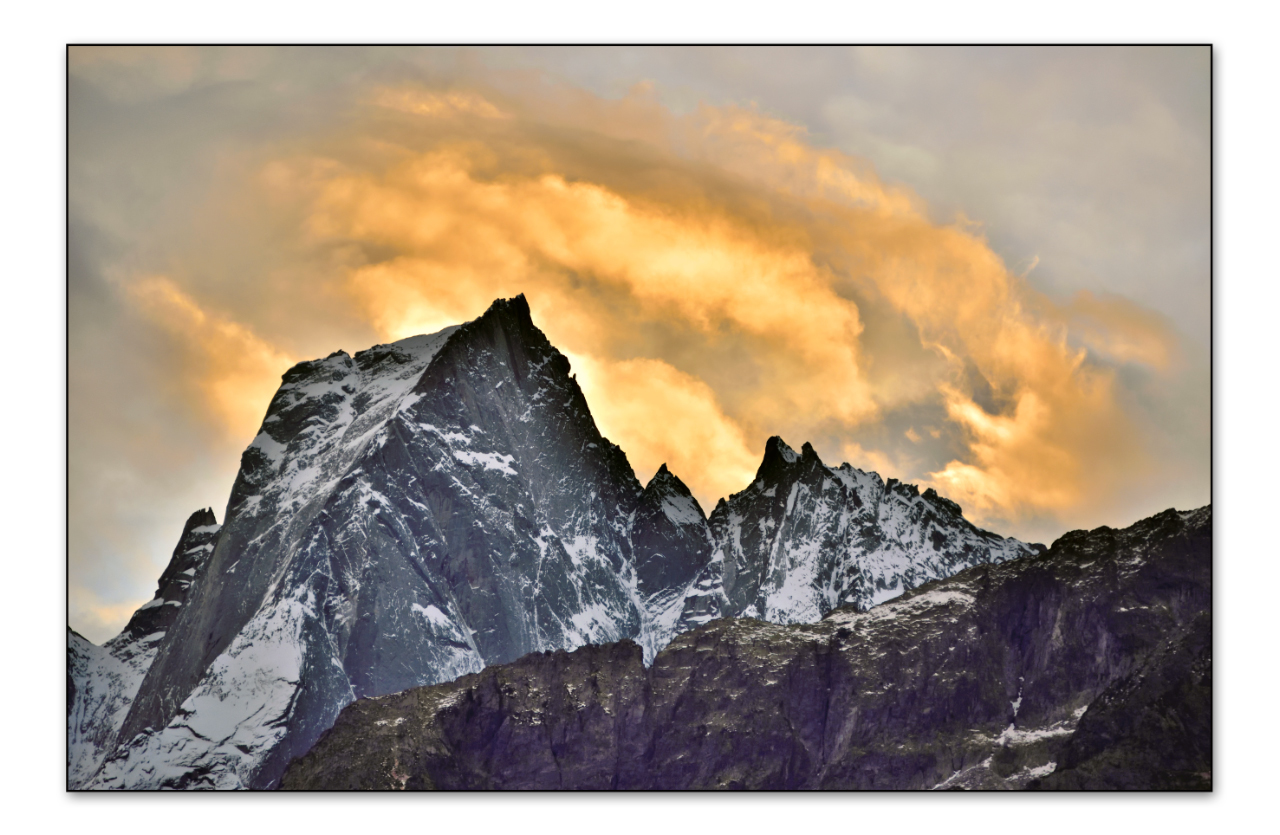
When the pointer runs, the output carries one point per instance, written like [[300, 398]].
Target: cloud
[[732, 258], [95, 618], [134, 73], [428, 103], [1113, 326], [233, 372], [697, 440], [716, 274]]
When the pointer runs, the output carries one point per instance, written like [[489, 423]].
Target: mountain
[[1086, 666], [428, 508], [103, 680], [805, 538]]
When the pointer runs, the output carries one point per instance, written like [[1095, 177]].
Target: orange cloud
[[234, 372], [868, 459], [1113, 326], [443, 104], [669, 417], [711, 275], [462, 239], [94, 617]]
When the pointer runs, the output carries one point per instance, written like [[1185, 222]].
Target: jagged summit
[[406, 515], [777, 457], [671, 543], [665, 482], [804, 538], [185, 565], [423, 509]]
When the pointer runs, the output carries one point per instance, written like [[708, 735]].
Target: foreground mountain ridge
[[1087, 667], [427, 508]]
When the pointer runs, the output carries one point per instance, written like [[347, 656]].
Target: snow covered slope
[[1087, 667], [427, 508]]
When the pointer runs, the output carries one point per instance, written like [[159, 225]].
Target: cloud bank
[[715, 275]]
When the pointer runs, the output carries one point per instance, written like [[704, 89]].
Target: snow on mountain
[[428, 508], [805, 538], [1087, 667]]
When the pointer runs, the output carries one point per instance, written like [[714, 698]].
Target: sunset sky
[[984, 270]]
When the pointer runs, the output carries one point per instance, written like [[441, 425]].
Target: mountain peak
[[199, 538], [665, 482], [202, 518], [943, 502], [516, 307], [777, 457]]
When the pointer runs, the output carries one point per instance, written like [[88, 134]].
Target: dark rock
[[1151, 729]]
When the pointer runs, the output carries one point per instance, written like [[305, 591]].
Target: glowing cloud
[[716, 273], [672, 418], [234, 372], [710, 274], [427, 103]]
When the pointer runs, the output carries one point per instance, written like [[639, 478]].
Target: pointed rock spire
[[777, 458]]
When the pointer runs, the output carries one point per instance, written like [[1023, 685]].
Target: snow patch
[[1041, 770], [681, 510], [272, 448], [489, 460], [433, 615]]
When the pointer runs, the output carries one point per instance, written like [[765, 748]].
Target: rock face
[[1151, 729], [102, 680], [1083, 667], [427, 508]]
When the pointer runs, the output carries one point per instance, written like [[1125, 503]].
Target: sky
[[984, 270]]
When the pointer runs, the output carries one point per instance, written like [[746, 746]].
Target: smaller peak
[[338, 353], [902, 488], [808, 453], [942, 502], [666, 491], [777, 446], [200, 519], [777, 458], [666, 480]]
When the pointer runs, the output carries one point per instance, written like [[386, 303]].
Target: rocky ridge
[[1084, 667]]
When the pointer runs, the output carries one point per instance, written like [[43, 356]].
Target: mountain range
[[427, 509]]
